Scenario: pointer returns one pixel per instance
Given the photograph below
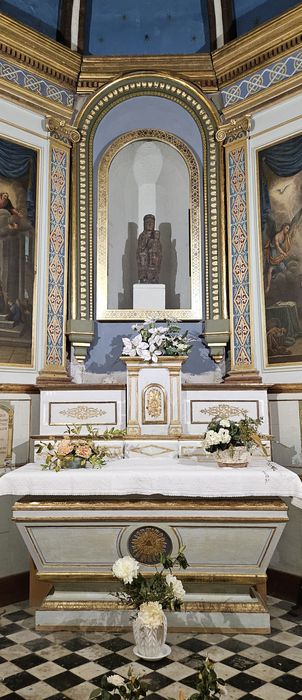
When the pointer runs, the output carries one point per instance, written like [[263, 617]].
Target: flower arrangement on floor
[[223, 434], [208, 686], [73, 450], [152, 341], [114, 685], [150, 596]]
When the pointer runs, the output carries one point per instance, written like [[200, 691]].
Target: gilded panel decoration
[[239, 264], [277, 71], [56, 261], [154, 408], [280, 179], [146, 544], [32, 82]]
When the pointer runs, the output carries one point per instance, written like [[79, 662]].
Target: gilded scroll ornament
[[234, 129], [154, 403], [60, 130], [83, 412], [224, 411]]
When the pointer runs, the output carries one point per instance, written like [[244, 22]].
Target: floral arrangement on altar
[[152, 341], [224, 434], [73, 450], [151, 595]]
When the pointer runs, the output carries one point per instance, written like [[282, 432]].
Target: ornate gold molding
[[36, 70], [36, 52], [234, 129], [96, 71], [258, 48], [62, 131]]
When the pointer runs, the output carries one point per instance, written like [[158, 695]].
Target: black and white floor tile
[[69, 665]]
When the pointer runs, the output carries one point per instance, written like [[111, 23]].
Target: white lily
[[128, 348], [155, 355]]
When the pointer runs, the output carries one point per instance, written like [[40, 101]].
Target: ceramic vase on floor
[[150, 641]]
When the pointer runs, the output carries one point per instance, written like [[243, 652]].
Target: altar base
[[149, 296], [229, 543]]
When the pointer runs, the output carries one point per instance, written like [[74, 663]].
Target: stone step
[[6, 324], [11, 332]]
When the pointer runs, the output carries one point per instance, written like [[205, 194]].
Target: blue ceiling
[[123, 27]]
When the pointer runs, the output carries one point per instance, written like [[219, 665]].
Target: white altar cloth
[[149, 476]]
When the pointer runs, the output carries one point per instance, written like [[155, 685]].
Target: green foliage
[[208, 685], [155, 588], [132, 689], [110, 434]]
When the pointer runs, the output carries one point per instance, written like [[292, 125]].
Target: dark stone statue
[[149, 252]]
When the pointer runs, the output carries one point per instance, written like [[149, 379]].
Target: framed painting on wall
[[280, 181], [18, 226]]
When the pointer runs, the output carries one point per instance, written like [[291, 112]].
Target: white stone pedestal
[[154, 396], [149, 296]]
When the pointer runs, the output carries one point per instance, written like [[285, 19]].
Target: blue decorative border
[[274, 73], [55, 345], [32, 82], [236, 164]]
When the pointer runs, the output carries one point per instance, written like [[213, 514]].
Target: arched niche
[[148, 171], [84, 234]]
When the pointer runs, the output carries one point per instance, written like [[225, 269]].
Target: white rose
[[211, 438], [116, 680], [151, 614], [224, 435], [225, 423], [177, 587], [126, 569]]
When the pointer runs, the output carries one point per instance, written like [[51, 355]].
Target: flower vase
[[150, 641], [74, 463], [237, 456]]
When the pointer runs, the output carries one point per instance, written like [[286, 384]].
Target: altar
[[76, 523]]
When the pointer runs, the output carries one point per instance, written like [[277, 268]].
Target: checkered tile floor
[[36, 666]]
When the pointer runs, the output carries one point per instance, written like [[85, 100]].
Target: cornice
[[96, 71], [37, 53], [259, 47]]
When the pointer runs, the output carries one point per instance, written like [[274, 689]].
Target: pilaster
[[234, 136]]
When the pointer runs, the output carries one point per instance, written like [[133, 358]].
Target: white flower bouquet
[[152, 341], [61, 454], [150, 595], [113, 685], [223, 434]]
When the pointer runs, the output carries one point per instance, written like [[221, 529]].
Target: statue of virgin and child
[[149, 252]]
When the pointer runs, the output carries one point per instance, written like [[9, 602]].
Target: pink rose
[[83, 451], [64, 448]]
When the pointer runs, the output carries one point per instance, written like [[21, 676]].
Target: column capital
[[234, 130]]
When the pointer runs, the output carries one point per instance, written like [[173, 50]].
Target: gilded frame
[[206, 117], [266, 360], [37, 151], [195, 310]]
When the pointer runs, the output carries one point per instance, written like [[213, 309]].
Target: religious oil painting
[[18, 182], [280, 177]]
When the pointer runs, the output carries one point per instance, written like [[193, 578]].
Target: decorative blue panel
[[146, 27], [42, 16], [249, 14]]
